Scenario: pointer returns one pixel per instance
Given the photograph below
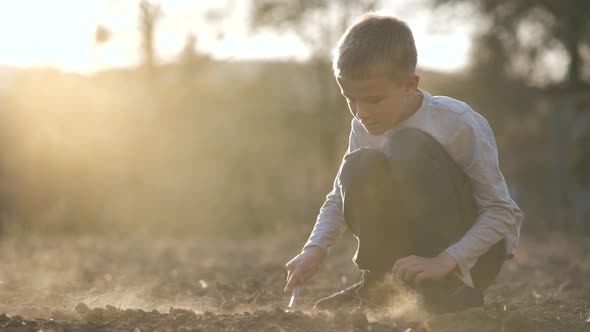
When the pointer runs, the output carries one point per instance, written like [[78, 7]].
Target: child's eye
[[375, 100]]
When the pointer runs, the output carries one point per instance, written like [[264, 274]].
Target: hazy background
[[222, 117]]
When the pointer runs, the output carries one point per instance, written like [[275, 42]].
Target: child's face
[[379, 102]]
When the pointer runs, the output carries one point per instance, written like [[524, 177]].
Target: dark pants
[[410, 200]]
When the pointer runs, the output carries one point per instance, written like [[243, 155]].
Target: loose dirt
[[140, 283]]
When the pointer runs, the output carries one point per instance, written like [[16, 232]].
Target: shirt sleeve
[[476, 152], [330, 223]]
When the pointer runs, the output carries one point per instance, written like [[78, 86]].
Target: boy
[[419, 186]]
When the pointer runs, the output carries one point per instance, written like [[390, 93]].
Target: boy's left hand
[[417, 269]]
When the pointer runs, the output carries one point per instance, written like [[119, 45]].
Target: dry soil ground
[[140, 283]]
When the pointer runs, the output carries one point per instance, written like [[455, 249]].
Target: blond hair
[[375, 44]]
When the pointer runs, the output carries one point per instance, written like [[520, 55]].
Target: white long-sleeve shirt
[[469, 140]]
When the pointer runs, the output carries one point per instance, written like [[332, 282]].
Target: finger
[[421, 277], [397, 265], [293, 280], [404, 268], [290, 264], [290, 268], [411, 272], [402, 261], [290, 284], [403, 264], [399, 273]]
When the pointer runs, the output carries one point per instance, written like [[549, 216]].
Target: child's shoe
[[374, 290], [460, 298], [445, 297], [350, 297]]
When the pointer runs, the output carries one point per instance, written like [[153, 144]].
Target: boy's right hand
[[304, 266]]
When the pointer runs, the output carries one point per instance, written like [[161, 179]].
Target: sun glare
[[60, 33], [53, 33]]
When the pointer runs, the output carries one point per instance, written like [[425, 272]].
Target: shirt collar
[[425, 100]]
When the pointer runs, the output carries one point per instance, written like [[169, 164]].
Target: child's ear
[[411, 83]]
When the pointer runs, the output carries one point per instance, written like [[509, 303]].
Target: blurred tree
[[518, 35], [217, 18], [190, 58], [149, 14], [581, 162], [189, 51], [319, 24]]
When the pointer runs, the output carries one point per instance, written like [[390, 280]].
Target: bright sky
[[61, 33]]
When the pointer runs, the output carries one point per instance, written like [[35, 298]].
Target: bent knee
[[412, 146], [363, 157], [361, 165], [409, 143]]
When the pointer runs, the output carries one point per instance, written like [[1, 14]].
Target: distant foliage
[[520, 36], [230, 148]]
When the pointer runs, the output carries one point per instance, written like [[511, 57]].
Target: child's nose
[[362, 112]]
